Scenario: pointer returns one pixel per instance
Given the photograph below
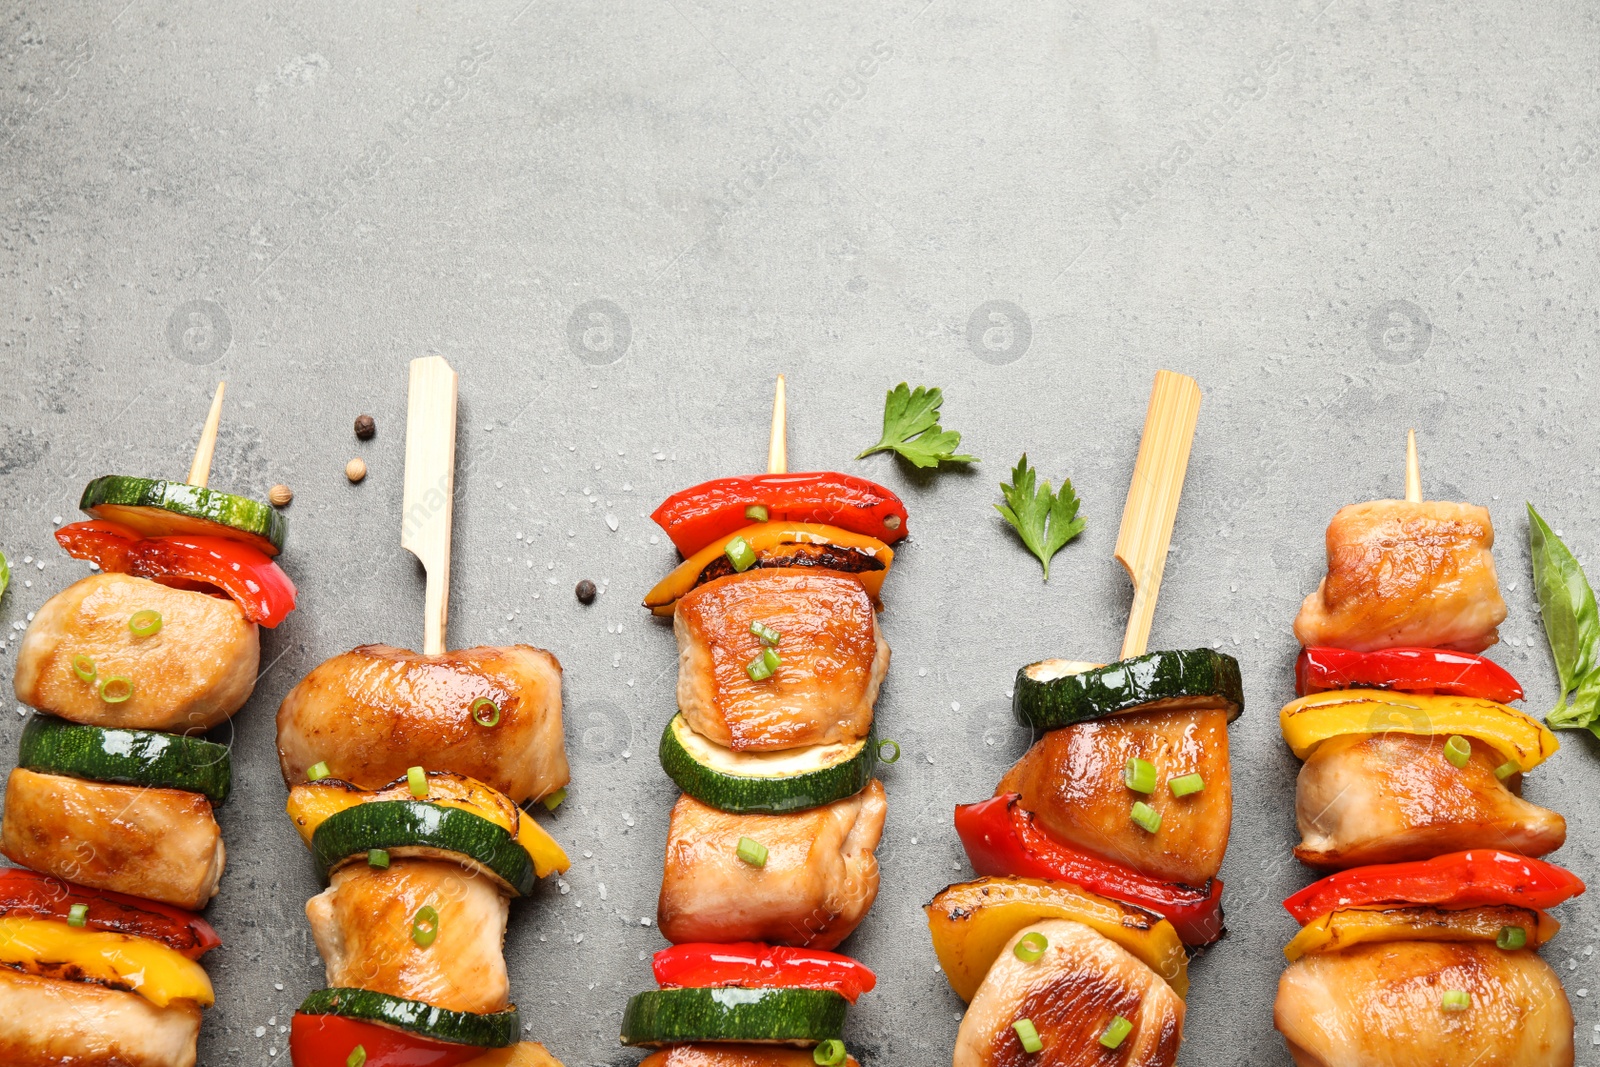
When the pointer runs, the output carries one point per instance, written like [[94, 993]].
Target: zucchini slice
[[496, 1030], [802, 1017], [1054, 693], [126, 757], [430, 831], [771, 783], [159, 509]]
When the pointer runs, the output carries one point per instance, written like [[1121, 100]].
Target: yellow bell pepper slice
[[769, 539], [51, 948], [310, 803], [522, 1054], [972, 921], [1311, 720], [1339, 930]]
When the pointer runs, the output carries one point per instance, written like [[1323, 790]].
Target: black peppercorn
[[585, 591], [365, 427]]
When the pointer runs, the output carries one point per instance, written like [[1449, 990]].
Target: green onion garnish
[[417, 780], [1512, 938], [378, 859], [1507, 769], [752, 852], [1139, 775], [894, 746], [144, 623], [485, 712], [553, 801], [1145, 816], [1455, 1000], [1028, 1035], [759, 513], [78, 915], [317, 772], [83, 667], [1458, 750], [1030, 948], [357, 1057], [1185, 784], [116, 689], [768, 635], [830, 1051], [425, 927], [762, 667], [740, 554], [1116, 1033]]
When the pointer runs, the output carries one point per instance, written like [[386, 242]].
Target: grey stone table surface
[[620, 220]]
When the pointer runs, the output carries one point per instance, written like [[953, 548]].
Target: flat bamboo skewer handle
[[430, 487], [1413, 469], [1153, 495], [778, 444], [200, 469]]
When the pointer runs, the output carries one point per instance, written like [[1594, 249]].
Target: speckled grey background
[[1343, 220]]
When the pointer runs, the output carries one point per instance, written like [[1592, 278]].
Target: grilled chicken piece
[[375, 711], [1072, 780], [1378, 1006], [194, 673], [1387, 798], [819, 880], [47, 1022], [1070, 995], [719, 1055], [1402, 573], [161, 844], [363, 925], [834, 659]]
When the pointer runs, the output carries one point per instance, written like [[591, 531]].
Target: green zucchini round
[[802, 1017], [495, 1030], [418, 828], [1055, 693], [158, 509], [127, 757], [770, 783]]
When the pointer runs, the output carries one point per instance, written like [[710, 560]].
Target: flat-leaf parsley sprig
[[1044, 520], [911, 428]]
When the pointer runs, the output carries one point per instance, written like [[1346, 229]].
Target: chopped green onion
[[145, 623], [116, 689], [759, 513], [425, 927], [78, 915], [740, 554], [762, 667], [1146, 816], [886, 743], [317, 772], [1030, 948], [768, 635], [1455, 1000], [1185, 784], [1139, 775], [1507, 769], [417, 780], [83, 667], [485, 712], [1116, 1033], [357, 1057], [553, 801], [1458, 750], [752, 852], [831, 1051], [378, 859], [1028, 1035], [1512, 938]]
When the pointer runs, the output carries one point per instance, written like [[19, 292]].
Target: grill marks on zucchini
[[1055, 693], [496, 1030], [802, 1017], [156, 509], [417, 828], [770, 783], [126, 757]]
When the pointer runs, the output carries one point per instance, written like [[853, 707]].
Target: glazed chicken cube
[[48, 1022]]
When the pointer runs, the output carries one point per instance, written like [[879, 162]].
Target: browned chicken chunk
[[733, 1055], [375, 711], [1379, 1006], [46, 1022], [1403, 573], [195, 672], [834, 659], [162, 844], [363, 926], [1388, 798], [1071, 995], [819, 880], [1072, 780]]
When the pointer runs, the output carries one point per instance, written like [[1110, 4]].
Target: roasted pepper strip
[[1339, 930], [1457, 880], [754, 965], [1410, 670], [149, 968], [1311, 720], [1001, 839], [44, 896], [710, 511], [331, 1040]]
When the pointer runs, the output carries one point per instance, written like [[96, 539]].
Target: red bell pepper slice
[[44, 896], [754, 965], [1410, 670], [258, 585], [1478, 878], [1001, 839], [711, 510], [328, 1041]]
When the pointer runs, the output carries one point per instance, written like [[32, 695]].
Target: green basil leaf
[[1571, 619], [1584, 711]]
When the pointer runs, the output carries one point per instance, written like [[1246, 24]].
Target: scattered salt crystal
[[56, 520], [913, 840], [611, 521], [578, 940], [27, 559], [602, 891], [922, 672], [654, 540], [561, 884], [627, 818], [627, 487], [278, 986], [955, 705], [261, 1031], [644, 920], [510, 617]]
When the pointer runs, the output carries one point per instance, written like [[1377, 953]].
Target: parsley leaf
[[909, 412], [1044, 520]]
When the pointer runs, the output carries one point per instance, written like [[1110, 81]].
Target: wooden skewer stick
[[778, 444], [1413, 469], [200, 469], [1152, 504], [430, 487]]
